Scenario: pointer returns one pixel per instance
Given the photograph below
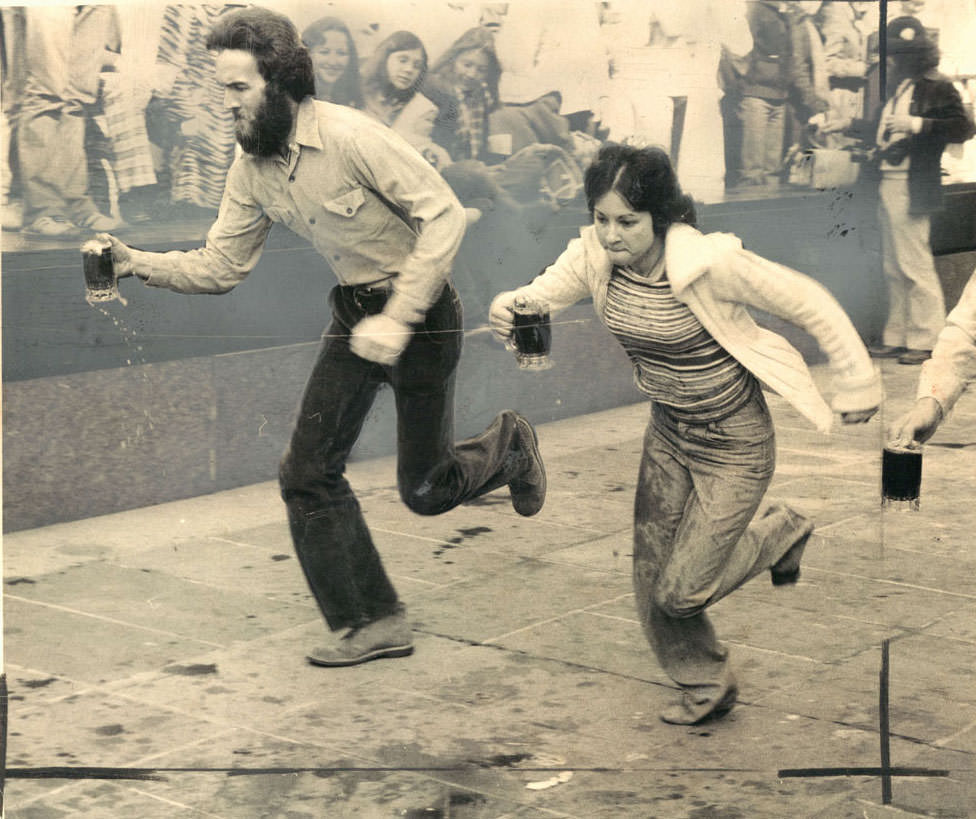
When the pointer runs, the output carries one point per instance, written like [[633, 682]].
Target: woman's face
[[330, 58], [403, 68], [471, 67], [626, 234]]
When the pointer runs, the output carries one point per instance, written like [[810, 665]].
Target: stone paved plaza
[[157, 655]]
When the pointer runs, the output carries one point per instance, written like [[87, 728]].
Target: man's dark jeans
[[434, 475]]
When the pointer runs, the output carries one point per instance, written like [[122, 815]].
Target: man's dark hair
[[273, 41]]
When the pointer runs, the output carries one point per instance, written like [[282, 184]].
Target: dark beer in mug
[[100, 284], [531, 335], [901, 477]]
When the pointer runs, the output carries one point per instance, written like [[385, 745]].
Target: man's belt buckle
[[369, 298]]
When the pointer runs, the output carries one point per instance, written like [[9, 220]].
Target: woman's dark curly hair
[[273, 41], [646, 181], [375, 77], [346, 89]]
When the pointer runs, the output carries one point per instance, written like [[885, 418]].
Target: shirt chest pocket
[[346, 205], [350, 217]]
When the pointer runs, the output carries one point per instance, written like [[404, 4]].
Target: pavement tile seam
[[562, 615], [945, 741], [190, 809], [885, 581], [112, 620], [826, 530], [561, 661]]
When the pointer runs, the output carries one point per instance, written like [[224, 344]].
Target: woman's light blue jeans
[[695, 539]]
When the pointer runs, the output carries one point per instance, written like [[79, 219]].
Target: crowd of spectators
[[111, 114]]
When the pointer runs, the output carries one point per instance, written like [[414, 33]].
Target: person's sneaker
[[914, 356], [386, 637], [51, 227], [686, 712], [786, 570], [528, 490], [886, 351]]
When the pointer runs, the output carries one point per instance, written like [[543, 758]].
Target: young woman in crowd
[[464, 85], [335, 62], [676, 300], [393, 74]]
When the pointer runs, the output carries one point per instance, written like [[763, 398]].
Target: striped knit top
[[676, 361]]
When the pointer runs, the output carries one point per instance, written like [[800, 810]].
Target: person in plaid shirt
[[463, 84]]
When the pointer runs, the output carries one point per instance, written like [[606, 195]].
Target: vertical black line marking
[[884, 732], [882, 48], [3, 738]]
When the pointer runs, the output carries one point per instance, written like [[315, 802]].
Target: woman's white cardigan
[[717, 279]]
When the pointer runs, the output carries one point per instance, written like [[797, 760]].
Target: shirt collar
[[307, 127]]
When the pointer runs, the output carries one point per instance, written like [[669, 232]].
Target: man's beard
[[267, 133]]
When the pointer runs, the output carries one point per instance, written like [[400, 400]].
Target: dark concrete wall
[[173, 396]]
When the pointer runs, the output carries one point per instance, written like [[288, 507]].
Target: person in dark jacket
[[923, 113], [762, 109]]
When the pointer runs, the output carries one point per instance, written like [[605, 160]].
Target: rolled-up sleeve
[[945, 376], [390, 166], [232, 249]]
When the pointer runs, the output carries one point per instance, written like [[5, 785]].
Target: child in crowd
[[393, 75], [464, 85]]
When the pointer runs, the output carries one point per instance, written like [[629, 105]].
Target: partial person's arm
[[387, 164], [799, 299], [945, 376], [233, 247], [946, 120], [836, 29], [561, 284], [953, 362]]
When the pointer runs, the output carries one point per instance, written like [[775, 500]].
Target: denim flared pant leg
[[332, 541], [695, 539]]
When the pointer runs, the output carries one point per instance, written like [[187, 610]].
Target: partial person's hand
[[501, 316], [380, 339], [916, 425], [902, 123], [835, 124], [121, 259], [858, 417]]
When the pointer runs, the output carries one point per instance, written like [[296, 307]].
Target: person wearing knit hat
[[923, 113]]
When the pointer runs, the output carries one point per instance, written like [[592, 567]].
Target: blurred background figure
[[126, 95], [463, 84], [552, 47], [845, 27], [191, 130], [415, 123], [335, 60], [64, 53], [809, 88], [393, 74], [12, 29], [676, 81], [923, 113], [762, 110]]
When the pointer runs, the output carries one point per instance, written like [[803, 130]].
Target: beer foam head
[[95, 246]]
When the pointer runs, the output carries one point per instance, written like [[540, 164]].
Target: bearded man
[[388, 226]]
